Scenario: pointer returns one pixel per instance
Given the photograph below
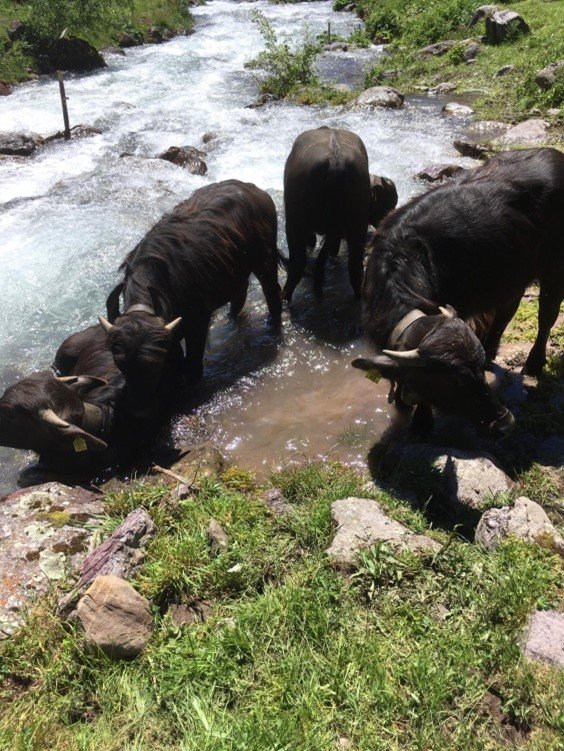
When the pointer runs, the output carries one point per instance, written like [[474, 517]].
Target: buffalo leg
[[356, 258], [503, 314], [550, 297], [238, 300], [268, 278], [195, 348], [297, 248], [422, 420], [329, 247]]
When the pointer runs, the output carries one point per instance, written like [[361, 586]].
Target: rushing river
[[69, 214]]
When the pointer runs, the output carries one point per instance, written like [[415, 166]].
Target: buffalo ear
[[112, 303], [82, 384]]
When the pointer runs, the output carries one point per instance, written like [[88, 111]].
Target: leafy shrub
[[286, 69]]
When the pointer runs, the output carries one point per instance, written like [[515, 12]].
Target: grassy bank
[[409, 25], [102, 27], [409, 653]]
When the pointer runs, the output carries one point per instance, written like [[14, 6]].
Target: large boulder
[[546, 78], [544, 638], [379, 96], [18, 144], [528, 133], [188, 157], [502, 25], [360, 523], [45, 532], [525, 520], [115, 617], [454, 109], [74, 54]]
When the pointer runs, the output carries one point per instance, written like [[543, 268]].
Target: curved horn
[[173, 324], [52, 418], [112, 303], [448, 312], [105, 324], [409, 355]]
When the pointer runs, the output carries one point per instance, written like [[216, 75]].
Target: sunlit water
[[69, 214]]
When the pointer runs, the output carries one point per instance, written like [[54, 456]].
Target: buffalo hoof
[[533, 367]]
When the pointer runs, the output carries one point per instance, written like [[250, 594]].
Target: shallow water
[[70, 214]]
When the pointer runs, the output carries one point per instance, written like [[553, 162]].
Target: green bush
[[286, 70]]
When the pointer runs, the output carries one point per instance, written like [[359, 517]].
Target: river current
[[69, 214]]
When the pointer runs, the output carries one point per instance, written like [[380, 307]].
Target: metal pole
[[64, 104], [328, 32]]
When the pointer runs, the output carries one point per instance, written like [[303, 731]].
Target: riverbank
[[498, 80], [125, 24]]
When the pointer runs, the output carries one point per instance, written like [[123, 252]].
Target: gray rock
[[361, 523], [554, 112], [504, 25], [115, 618], [385, 75], [504, 70], [17, 144], [262, 100], [188, 157], [482, 12], [378, 96], [471, 149], [219, 542], [439, 172], [336, 47], [471, 51], [442, 88], [16, 31], [544, 638], [78, 131], [45, 532], [130, 40], [5, 89], [276, 502], [529, 132], [439, 48], [74, 54], [200, 460], [526, 520], [210, 136], [454, 109], [546, 78]]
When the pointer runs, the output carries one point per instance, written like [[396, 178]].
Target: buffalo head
[[445, 369], [47, 414], [383, 198]]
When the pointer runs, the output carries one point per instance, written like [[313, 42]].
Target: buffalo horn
[[49, 416], [446, 312], [105, 324], [409, 355], [173, 324]]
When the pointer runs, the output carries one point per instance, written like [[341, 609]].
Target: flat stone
[[525, 520], [544, 638], [115, 617], [529, 132], [217, 536], [187, 157], [439, 172], [45, 532], [504, 70], [439, 48], [276, 502], [361, 523], [378, 96], [454, 109], [442, 88]]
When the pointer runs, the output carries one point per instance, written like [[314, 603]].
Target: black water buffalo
[[192, 262], [474, 244], [328, 191], [70, 411]]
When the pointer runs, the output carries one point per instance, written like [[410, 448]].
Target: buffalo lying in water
[[474, 244], [192, 262], [70, 413], [328, 191]]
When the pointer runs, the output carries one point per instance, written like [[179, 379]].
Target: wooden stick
[[173, 475], [64, 104]]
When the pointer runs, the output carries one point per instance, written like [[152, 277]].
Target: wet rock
[[546, 78], [115, 618], [465, 480], [361, 523], [113, 51], [504, 70], [197, 611], [45, 531], [128, 39], [471, 149], [202, 460], [442, 88], [78, 131], [544, 638], [262, 99], [219, 542], [154, 35], [526, 520], [502, 25], [336, 47], [5, 89], [17, 144], [188, 157], [210, 136], [471, 51], [16, 31], [74, 54], [439, 48], [276, 502], [529, 132], [345, 88], [482, 12], [386, 75], [454, 109], [379, 96], [439, 172]]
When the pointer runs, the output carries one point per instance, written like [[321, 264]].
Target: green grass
[[410, 25], [401, 655]]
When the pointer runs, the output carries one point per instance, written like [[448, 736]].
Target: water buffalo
[[192, 262], [474, 244], [328, 191], [70, 411]]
